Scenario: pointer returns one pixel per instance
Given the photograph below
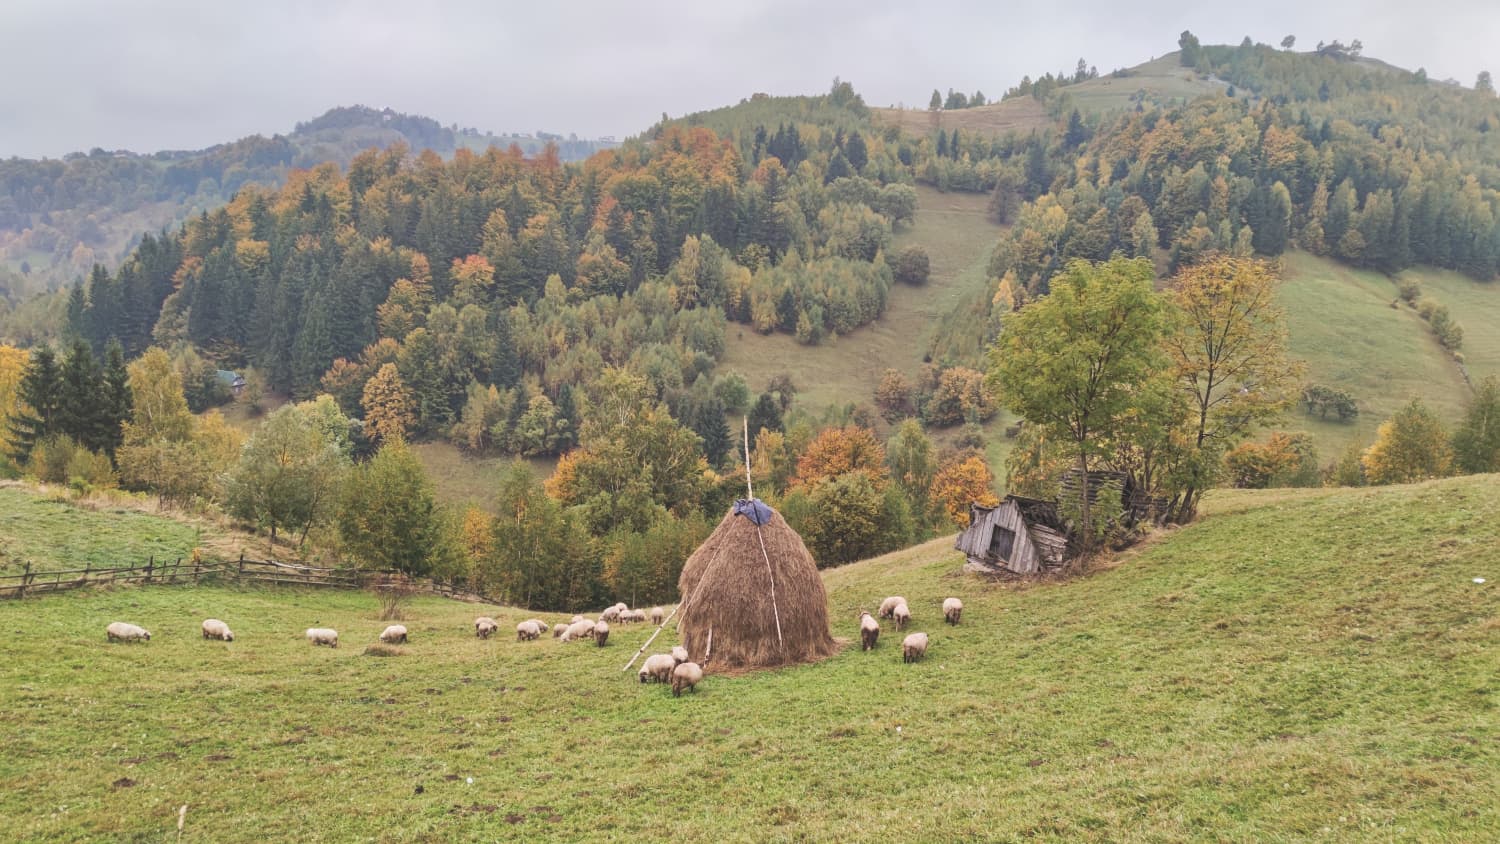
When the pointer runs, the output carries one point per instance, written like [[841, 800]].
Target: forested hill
[[58, 217]]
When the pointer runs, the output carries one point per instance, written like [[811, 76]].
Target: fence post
[[25, 580], [150, 564], [177, 570], [241, 575]]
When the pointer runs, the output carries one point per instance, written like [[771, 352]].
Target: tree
[[1228, 352], [288, 474], [1071, 363], [531, 563], [936, 102], [1410, 446], [39, 397], [165, 449], [13, 365], [963, 480], [893, 396], [1476, 443], [117, 399], [764, 416], [839, 451], [1191, 51], [83, 412], [856, 151], [1287, 42], [389, 518], [910, 458], [910, 265], [849, 518], [388, 405], [1484, 84]]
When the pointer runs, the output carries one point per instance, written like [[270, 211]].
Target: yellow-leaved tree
[[1410, 446], [389, 409], [960, 481], [12, 368]]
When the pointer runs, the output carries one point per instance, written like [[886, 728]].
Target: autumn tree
[[1071, 363], [893, 395], [166, 449], [534, 560], [963, 480], [1476, 443], [388, 404], [1227, 344], [839, 451], [13, 365], [1410, 446], [389, 518], [37, 404], [289, 472]]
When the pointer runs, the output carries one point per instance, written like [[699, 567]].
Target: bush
[[911, 266]]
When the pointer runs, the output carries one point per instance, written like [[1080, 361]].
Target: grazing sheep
[[687, 675], [541, 626], [889, 605], [120, 631], [484, 626], [558, 630], [216, 629], [610, 614], [579, 630], [914, 647], [657, 668], [576, 619], [656, 616], [680, 654], [902, 614], [527, 631], [394, 635], [601, 633], [869, 631], [323, 636], [952, 609], [640, 615]]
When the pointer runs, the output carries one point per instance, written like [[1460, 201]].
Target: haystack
[[751, 595]]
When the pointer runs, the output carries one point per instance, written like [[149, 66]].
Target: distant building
[[233, 380]]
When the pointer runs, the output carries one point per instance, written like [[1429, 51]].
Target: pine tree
[[856, 151], [83, 411], [764, 416], [117, 398], [41, 396]]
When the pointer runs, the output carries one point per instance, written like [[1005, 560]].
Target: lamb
[[656, 616], [527, 631], [558, 630], [680, 654], [657, 668], [889, 605], [601, 633], [869, 631], [914, 647], [902, 614], [121, 631], [687, 675], [952, 609], [323, 636], [216, 629], [484, 626], [395, 634]]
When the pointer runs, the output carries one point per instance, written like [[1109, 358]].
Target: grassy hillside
[[1476, 306], [53, 534], [1342, 324], [1310, 665]]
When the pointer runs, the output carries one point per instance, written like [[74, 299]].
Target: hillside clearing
[[1316, 664]]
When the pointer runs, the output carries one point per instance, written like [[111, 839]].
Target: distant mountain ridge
[[58, 217]]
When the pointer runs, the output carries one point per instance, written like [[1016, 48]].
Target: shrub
[[911, 266]]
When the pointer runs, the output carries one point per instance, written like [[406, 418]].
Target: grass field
[[1342, 324], [53, 534], [1476, 306], [1307, 665]]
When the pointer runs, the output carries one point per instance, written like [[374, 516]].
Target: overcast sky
[[182, 74]]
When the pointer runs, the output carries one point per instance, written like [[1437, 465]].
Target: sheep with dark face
[[952, 609], [394, 635], [657, 668], [484, 626], [686, 676], [527, 631], [216, 629], [121, 631], [869, 631], [914, 647]]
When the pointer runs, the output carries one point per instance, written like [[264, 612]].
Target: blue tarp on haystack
[[755, 510]]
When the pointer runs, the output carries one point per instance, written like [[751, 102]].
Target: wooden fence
[[243, 570]]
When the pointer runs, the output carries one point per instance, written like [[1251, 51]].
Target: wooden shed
[[1020, 536]]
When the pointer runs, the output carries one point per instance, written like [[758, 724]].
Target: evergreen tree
[[764, 416], [41, 397], [117, 398], [856, 152], [709, 425], [83, 409], [936, 102]]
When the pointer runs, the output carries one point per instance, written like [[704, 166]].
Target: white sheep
[[526, 631], [640, 615], [558, 630], [888, 606], [656, 616], [680, 654], [610, 614], [914, 647], [120, 631], [952, 609], [323, 636], [484, 626], [579, 630], [869, 631], [902, 614], [687, 675], [541, 626], [576, 619], [657, 668], [216, 629], [395, 634], [601, 633]]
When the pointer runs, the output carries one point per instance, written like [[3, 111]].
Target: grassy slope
[[53, 534], [1476, 306], [1313, 664], [1343, 326]]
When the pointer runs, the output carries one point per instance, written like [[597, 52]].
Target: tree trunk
[[1083, 505]]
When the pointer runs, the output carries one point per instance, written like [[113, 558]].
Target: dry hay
[[726, 589]]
